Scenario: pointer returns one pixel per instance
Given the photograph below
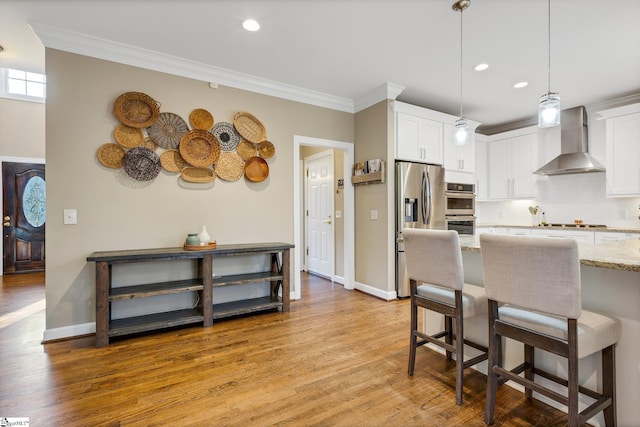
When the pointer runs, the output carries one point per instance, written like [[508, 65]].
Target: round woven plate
[[229, 167], [246, 150], [266, 149], [110, 155], [127, 136], [150, 144], [256, 169], [172, 161], [141, 164], [249, 127], [226, 135], [136, 109], [199, 148], [168, 130], [201, 119], [198, 175]]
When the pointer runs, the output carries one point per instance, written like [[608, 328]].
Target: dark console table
[[207, 309]]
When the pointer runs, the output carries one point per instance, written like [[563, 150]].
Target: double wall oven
[[460, 207]]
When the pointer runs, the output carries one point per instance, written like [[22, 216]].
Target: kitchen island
[[610, 275]]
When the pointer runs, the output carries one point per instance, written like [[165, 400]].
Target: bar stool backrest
[[536, 273], [434, 257]]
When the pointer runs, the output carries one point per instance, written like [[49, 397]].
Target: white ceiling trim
[[383, 92], [84, 44]]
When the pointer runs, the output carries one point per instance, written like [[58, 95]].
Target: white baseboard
[[385, 295], [338, 279], [69, 332]]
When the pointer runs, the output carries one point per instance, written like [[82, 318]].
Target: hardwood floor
[[338, 358]]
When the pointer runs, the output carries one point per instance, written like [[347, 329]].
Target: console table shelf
[[207, 310]]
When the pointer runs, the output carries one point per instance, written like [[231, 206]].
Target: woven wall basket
[[141, 164], [226, 136], [230, 166], [136, 109], [249, 127], [256, 169], [201, 119], [199, 148], [198, 175], [110, 155], [266, 149], [168, 130], [127, 136], [246, 150], [172, 161]]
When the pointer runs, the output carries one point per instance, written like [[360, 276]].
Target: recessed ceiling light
[[250, 25], [481, 67], [520, 85]]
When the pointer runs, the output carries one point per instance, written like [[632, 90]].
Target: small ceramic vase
[[203, 236], [192, 240]]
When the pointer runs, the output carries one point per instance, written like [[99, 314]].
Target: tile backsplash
[[565, 198]]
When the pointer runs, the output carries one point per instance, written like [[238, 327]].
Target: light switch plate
[[374, 214], [70, 216], [338, 214]]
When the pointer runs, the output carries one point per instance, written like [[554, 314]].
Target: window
[[24, 85]]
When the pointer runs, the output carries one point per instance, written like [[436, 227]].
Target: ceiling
[[347, 48]]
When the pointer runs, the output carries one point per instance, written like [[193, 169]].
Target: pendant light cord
[[461, 62], [549, 45]]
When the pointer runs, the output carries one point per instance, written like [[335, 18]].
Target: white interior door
[[320, 237]]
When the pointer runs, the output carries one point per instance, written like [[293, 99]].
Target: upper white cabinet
[[418, 137], [623, 150], [459, 160], [511, 163]]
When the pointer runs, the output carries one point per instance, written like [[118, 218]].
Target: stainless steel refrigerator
[[419, 204]]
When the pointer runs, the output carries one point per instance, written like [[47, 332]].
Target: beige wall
[[21, 129], [372, 236], [115, 212]]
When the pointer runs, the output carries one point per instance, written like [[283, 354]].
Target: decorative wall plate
[[141, 164], [168, 130], [127, 136], [199, 148], [249, 127], [110, 155], [201, 119], [136, 109], [226, 136], [256, 169]]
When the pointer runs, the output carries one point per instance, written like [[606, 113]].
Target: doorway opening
[[348, 214]]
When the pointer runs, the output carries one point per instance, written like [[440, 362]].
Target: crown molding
[[383, 92], [84, 44]]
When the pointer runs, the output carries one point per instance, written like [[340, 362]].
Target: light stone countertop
[[621, 255], [548, 227]]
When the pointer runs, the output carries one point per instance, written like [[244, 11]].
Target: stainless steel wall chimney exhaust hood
[[574, 157]]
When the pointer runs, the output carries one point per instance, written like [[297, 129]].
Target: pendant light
[[461, 133], [549, 108]]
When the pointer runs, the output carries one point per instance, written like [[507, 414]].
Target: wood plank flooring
[[339, 358]]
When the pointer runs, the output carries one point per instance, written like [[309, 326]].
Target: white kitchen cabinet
[[481, 170], [608, 236], [623, 151], [459, 160], [586, 237], [418, 138], [511, 163]]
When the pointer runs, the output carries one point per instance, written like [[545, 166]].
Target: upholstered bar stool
[[434, 268], [533, 287]]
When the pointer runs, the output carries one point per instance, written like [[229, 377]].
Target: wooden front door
[[23, 217]]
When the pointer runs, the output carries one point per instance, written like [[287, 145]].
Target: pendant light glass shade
[[549, 110], [461, 134]]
